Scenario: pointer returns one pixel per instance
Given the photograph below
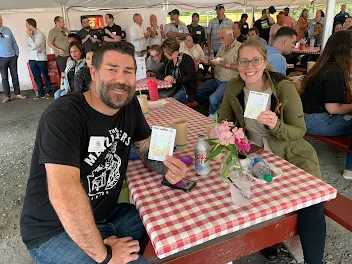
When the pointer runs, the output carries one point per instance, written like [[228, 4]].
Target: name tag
[[6, 36], [180, 31], [114, 33], [96, 144], [245, 26], [95, 36], [199, 33], [314, 23]]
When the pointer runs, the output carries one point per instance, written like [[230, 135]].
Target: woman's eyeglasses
[[254, 61]]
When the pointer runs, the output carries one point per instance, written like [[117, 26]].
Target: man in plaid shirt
[[220, 21]]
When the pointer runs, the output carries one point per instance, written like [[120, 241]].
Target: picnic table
[[141, 85], [307, 50], [178, 221]]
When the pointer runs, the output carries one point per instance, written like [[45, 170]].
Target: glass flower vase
[[230, 167]]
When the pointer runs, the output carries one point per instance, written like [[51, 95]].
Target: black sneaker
[[37, 97], [47, 96]]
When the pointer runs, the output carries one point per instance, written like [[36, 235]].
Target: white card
[[6, 36], [161, 143], [257, 103], [96, 144], [114, 33], [199, 32], [141, 68]]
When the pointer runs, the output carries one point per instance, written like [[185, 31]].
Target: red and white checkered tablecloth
[[176, 220], [307, 50], [142, 84]]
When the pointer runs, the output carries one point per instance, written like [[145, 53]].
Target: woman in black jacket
[[180, 70]]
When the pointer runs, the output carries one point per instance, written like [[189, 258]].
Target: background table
[[176, 221], [307, 50], [142, 84]]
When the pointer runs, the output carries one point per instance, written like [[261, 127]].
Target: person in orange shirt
[[288, 19], [303, 24]]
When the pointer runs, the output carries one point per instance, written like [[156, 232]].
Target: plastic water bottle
[[260, 169], [211, 55], [206, 52]]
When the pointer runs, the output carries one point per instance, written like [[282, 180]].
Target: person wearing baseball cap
[[175, 29], [219, 21]]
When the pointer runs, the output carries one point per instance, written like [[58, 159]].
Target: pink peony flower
[[238, 133]]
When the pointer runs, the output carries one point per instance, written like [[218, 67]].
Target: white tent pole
[[245, 6], [329, 21], [63, 10], [253, 19]]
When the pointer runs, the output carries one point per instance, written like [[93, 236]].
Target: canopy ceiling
[[123, 4]]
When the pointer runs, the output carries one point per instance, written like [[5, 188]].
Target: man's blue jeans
[[123, 222], [211, 92], [182, 97], [324, 124], [39, 68]]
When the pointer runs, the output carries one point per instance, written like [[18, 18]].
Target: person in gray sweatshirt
[[155, 60]]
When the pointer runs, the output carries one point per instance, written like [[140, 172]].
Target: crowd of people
[[229, 58]]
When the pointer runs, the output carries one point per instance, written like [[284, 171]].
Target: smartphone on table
[[184, 185]]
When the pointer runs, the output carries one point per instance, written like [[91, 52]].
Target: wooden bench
[[342, 142], [244, 242]]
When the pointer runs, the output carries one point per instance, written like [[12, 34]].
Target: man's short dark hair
[[287, 9], [286, 32], [82, 18], [244, 16], [237, 23], [57, 19], [195, 14], [254, 29], [73, 35], [122, 47], [110, 16], [31, 22]]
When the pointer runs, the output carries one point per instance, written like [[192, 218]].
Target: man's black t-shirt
[[89, 45], [115, 29], [63, 136], [328, 86], [244, 28], [264, 28]]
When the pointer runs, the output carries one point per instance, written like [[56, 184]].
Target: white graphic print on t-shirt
[[107, 174]]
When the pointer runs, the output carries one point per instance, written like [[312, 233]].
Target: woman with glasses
[[279, 129], [155, 60], [326, 92]]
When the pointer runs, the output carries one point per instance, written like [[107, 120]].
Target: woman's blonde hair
[[170, 45], [259, 47]]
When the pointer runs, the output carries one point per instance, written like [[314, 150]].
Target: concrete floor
[[18, 124]]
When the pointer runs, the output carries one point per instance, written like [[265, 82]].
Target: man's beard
[[117, 101]]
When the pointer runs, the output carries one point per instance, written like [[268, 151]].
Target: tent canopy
[[183, 5]]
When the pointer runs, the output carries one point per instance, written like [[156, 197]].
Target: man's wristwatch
[[108, 257]]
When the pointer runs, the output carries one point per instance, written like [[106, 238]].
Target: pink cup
[[153, 90]]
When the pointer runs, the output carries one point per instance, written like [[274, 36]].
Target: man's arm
[[142, 148], [14, 45], [173, 169], [72, 206]]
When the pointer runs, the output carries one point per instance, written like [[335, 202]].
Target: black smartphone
[[184, 185]]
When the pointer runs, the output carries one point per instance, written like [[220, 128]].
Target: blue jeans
[[181, 96], [39, 68], [59, 93], [324, 124], [216, 90], [124, 221]]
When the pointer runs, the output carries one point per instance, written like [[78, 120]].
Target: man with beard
[[79, 162], [91, 38]]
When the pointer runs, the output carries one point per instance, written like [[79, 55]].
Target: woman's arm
[[335, 109], [293, 126], [160, 74]]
